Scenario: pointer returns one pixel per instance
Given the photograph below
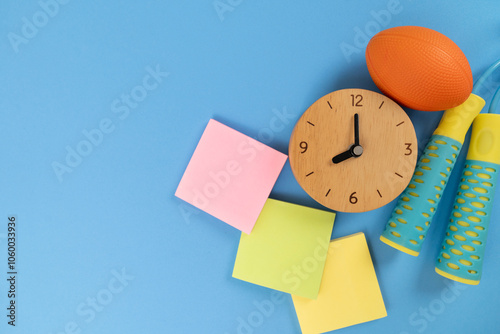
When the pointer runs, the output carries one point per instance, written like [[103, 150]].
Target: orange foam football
[[419, 68]]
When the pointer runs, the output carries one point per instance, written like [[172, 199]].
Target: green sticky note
[[287, 249]]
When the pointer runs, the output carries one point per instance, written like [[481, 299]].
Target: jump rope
[[462, 250]]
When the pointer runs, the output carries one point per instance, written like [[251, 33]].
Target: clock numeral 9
[[353, 199], [409, 151], [356, 100], [303, 146]]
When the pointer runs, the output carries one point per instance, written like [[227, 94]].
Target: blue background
[[115, 211]]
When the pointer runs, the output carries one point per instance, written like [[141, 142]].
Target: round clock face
[[353, 150]]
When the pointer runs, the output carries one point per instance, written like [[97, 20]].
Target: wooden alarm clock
[[353, 150]]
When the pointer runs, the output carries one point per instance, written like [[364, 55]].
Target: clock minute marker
[[327, 192], [379, 193], [309, 174], [310, 123], [329, 104], [381, 104], [401, 176], [400, 123]]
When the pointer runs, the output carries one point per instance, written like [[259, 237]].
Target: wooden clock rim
[[392, 112]]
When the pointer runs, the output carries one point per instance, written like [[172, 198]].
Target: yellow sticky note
[[349, 292], [287, 248]]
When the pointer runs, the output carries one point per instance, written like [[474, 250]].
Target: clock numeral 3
[[353, 199], [356, 100], [409, 151], [303, 146]]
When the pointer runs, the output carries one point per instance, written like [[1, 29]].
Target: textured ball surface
[[419, 68]]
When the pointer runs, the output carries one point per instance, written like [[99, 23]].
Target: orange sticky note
[[230, 176], [349, 293]]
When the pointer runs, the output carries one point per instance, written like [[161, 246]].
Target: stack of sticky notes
[[283, 246]]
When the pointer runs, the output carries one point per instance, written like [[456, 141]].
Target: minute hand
[[356, 130]]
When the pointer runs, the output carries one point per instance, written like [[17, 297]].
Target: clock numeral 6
[[356, 100], [303, 146], [409, 151], [353, 199]]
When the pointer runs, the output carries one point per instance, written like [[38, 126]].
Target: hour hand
[[354, 151], [342, 156]]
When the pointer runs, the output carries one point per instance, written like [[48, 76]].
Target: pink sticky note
[[230, 176]]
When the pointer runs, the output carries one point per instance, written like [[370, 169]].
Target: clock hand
[[355, 150], [343, 156], [356, 130]]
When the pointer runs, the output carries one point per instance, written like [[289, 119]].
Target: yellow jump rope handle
[[416, 207], [462, 251]]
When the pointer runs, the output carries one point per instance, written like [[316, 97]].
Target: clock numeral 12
[[356, 100]]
